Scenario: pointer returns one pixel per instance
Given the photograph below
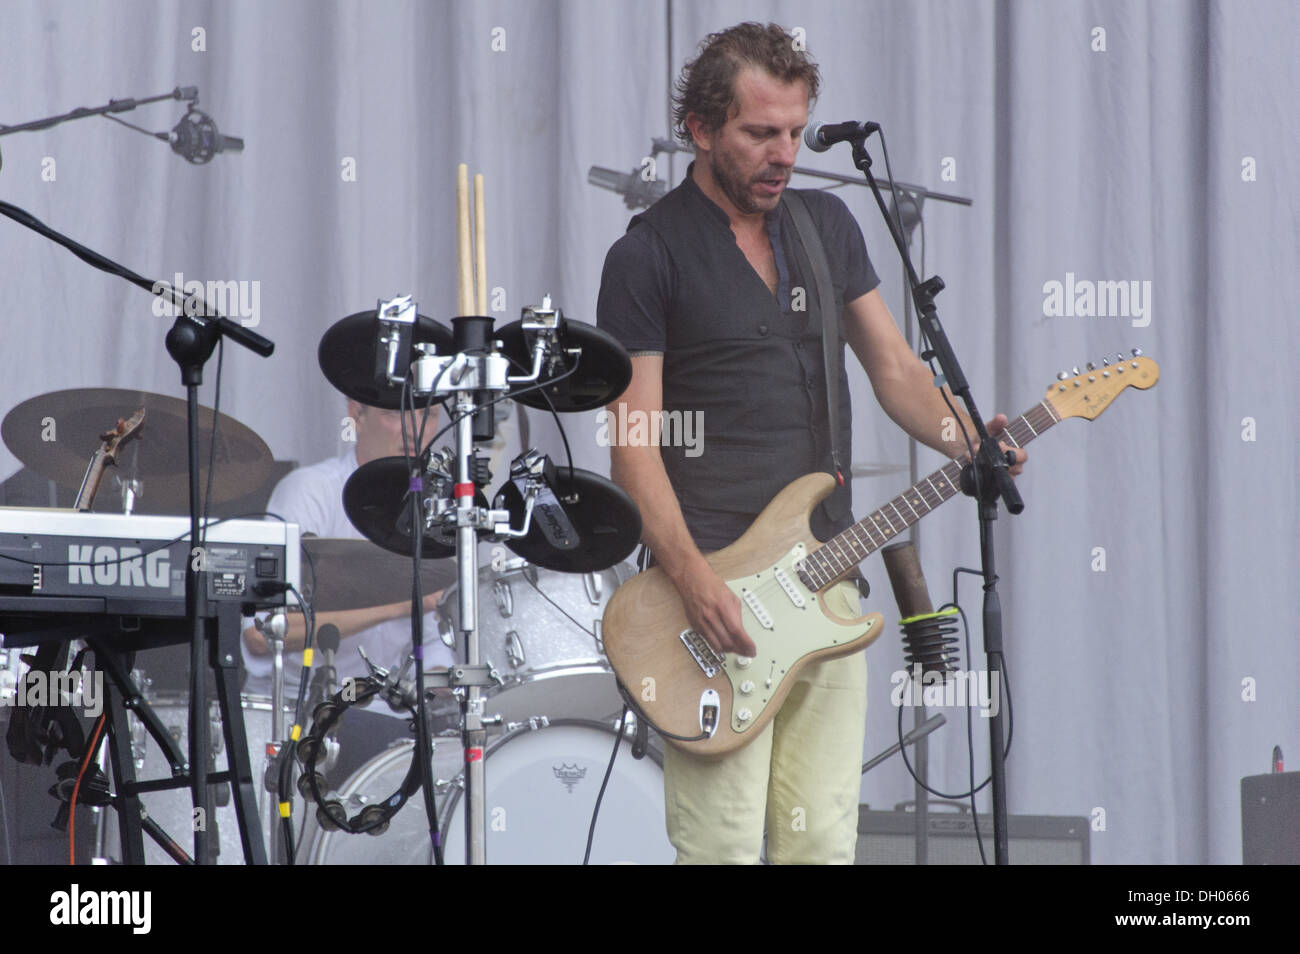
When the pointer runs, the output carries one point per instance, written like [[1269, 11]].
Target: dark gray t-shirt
[[748, 363]]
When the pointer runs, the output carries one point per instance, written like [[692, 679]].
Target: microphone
[[928, 642], [637, 193], [821, 136], [196, 139]]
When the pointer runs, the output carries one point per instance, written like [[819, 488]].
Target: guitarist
[[706, 290]]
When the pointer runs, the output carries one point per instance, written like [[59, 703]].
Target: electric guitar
[[715, 703]]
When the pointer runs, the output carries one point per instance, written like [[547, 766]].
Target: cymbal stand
[[474, 372], [273, 630]]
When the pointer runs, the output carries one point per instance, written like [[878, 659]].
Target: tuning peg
[[1075, 370], [1105, 363], [1137, 352], [1119, 357], [1091, 366], [1063, 375]]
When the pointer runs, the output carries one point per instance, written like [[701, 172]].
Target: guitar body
[[789, 623]]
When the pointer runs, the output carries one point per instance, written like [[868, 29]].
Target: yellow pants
[[800, 776]]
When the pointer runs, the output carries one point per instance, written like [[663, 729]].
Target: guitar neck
[[90, 483], [840, 554]]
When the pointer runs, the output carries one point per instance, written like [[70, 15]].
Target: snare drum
[[540, 631]]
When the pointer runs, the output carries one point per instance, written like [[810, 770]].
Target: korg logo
[[114, 566]]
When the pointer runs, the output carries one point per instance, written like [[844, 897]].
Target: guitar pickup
[[758, 609], [704, 655], [787, 584]]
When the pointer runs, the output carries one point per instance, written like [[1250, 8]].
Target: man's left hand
[[996, 427]]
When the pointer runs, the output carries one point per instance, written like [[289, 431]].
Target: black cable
[[970, 738], [562, 611], [4, 818], [152, 135], [559, 425], [455, 418], [609, 769], [893, 189], [423, 748], [640, 713], [285, 757]]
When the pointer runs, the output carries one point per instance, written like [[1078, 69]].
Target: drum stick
[[464, 259], [480, 248]]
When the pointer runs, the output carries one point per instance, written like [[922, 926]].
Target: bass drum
[[540, 630], [541, 789]]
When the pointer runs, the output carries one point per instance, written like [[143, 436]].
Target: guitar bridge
[[704, 655]]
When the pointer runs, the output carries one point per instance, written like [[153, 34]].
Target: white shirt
[[312, 497]]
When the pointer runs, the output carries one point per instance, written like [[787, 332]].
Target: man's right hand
[[713, 610]]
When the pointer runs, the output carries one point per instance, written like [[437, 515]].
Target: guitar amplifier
[[889, 838], [1270, 819]]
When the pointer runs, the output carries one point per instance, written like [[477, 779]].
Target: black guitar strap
[[824, 312]]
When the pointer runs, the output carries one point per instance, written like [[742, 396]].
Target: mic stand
[[909, 212], [187, 93], [986, 478], [273, 631], [915, 738], [190, 342]]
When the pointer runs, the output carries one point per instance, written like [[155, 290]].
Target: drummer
[[312, 497]]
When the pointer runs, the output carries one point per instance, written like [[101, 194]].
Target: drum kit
[[519, 777], [532, 661]]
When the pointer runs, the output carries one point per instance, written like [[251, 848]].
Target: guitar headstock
[[1088, 393], [125, 430]]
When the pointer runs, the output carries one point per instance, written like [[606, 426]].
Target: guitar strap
[[824, 312]]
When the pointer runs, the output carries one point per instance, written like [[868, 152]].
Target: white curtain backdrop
[[1150, 142]]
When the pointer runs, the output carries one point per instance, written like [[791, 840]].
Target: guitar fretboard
[[840, 554]]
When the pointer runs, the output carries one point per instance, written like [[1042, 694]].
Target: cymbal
[[376, 500], [55, 435], [351, 574], [347, 357], [605, 520], [600, 374]]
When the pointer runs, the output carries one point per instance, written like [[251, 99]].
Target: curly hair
[[707, 83]]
